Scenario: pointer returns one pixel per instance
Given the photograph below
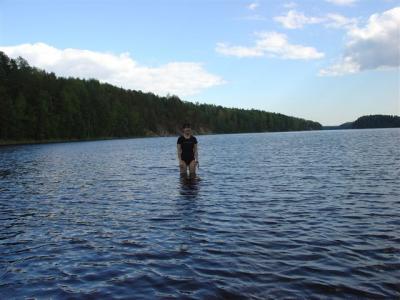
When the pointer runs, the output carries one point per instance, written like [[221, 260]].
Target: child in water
[[187, 151]]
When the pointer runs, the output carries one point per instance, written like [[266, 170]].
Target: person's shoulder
[[194, 139], [179, 139]]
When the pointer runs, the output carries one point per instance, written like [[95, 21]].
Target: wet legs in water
[[192, 169]]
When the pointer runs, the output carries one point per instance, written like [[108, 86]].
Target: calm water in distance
[[274, 215]]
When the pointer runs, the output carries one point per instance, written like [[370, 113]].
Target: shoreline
[[4, 143]]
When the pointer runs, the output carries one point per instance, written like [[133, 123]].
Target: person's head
[[186, 129]]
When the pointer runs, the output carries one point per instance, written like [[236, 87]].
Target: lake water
[[273, 215]]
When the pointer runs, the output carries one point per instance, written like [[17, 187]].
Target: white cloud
[[272, 44], [253, 6], [375, 46], [238, 51], [179, 78], [339, 21], [290, 5], [342, 2], [295, 20], [346, 66]]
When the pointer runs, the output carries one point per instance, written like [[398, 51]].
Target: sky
[[330, 61]]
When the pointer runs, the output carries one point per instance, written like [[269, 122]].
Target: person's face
[[187, 131]]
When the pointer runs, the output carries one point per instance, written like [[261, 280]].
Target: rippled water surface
[[273, 215]]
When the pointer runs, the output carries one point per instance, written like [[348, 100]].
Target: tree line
[[38, 105], [376, 121]]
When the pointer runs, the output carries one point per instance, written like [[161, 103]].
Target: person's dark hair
[[186, 125]]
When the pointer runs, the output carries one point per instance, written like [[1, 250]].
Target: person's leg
[[192, 168], [183, 168]]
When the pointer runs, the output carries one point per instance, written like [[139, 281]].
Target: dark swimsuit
[[187, 146]]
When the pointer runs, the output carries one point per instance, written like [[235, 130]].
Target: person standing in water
[[187, 151]]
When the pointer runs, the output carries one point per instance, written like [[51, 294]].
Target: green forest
[[36, 105], [376, 121], [369, 121]]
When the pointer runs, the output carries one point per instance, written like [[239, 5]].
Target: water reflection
[[189, 186], [4, 173], [188, 212]]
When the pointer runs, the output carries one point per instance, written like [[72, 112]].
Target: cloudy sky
[[329, 60]]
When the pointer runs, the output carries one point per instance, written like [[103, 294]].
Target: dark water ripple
[[273, 215]]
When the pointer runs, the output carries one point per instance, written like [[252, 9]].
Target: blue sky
[[330, 60]]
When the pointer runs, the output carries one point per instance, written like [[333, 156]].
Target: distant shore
[[370, 121], [153, 135], [150, 135], [54, 141]]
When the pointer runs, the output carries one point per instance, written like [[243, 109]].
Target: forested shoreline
[[370, 121], [36, 105], [376, 121]]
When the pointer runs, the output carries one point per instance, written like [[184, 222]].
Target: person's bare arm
[[179, 151], [196, 153]]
